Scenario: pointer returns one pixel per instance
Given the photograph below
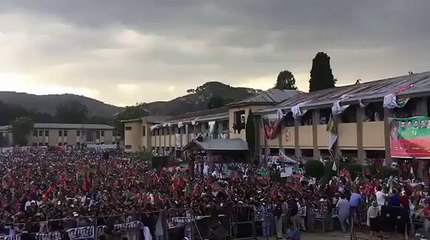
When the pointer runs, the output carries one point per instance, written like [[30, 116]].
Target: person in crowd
[[343, 212], [373, 219], [394, 199], [292, 232], [380, 196], [355, 204]]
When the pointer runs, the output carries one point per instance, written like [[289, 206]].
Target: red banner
[[271, 122]]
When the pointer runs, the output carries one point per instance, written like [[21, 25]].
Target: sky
[[129, 51]]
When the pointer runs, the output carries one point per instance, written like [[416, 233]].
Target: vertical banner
[[410, 137], [211, 125], [178, 141], [271, 122]]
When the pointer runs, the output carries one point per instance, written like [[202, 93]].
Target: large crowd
[[39, 185]]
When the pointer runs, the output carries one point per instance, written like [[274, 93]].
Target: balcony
[[373, 135]]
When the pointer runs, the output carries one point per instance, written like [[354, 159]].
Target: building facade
[[59, 134], [362, 126]]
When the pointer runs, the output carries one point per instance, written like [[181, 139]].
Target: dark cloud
[[103, 44]]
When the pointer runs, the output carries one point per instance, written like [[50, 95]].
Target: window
[[64, 144], [40, 133], [97, 134], [102, 133], [144, 131], [65, 133], [35, 133], [90, 136], [60, 144], [128, 128], [60, 133], [78, 133], [46, 133], [127, 146], [239, 121], [183, 130]]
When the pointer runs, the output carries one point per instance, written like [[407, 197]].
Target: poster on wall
[[271, 122], [410, 137]]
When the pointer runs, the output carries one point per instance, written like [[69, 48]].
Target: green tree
[[285, 81], [21, 128], [314, 169], [321, 73], [130, 112], [216, 102], [250, 133], [72, 111]]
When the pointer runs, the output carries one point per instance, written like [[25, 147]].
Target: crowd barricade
[[243, 222], [131, 226]]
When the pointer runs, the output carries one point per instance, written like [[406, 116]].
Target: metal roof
[[365, 92], [271, 96], [7, 127], [235, 144], [73, 126]]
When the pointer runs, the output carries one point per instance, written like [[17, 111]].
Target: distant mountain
[[195, 100], [198, 99], [49, 103]]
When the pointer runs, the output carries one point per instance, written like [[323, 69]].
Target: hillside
[[198, 99], [49, 103]]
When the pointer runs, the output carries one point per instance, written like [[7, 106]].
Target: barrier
[[130, 226], [243, 222]]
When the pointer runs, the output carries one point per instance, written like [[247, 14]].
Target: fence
[[239, 222]]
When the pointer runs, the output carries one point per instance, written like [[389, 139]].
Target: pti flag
[[332, 129], [271, 122]]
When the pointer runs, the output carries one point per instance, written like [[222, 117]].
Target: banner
[[410, 137], [10, 237], [271, 122], [81, 233], [48, 236]]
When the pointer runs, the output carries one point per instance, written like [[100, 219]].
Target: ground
[[345, 236]]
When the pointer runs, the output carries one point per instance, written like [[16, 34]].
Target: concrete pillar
[[421, 107], [297, 123], [281, 137], [315, 123], [387, 115], [421, 110], [258, 142], [336, 149], [187, 134], [360, 150]]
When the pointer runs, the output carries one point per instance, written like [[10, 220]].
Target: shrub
[[354, 169], [386, 172], [314, 169]]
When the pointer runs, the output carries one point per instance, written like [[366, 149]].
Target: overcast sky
[[128, 51]]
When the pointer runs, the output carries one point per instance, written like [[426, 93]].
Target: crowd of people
[[74, 187]]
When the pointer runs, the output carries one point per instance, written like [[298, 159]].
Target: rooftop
[[269, 97], [365, 92], [73, 126]]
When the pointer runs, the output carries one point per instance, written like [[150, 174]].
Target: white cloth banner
[[10, 237], [48, 236], [81, 233], [390, 101], [297, 112]]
